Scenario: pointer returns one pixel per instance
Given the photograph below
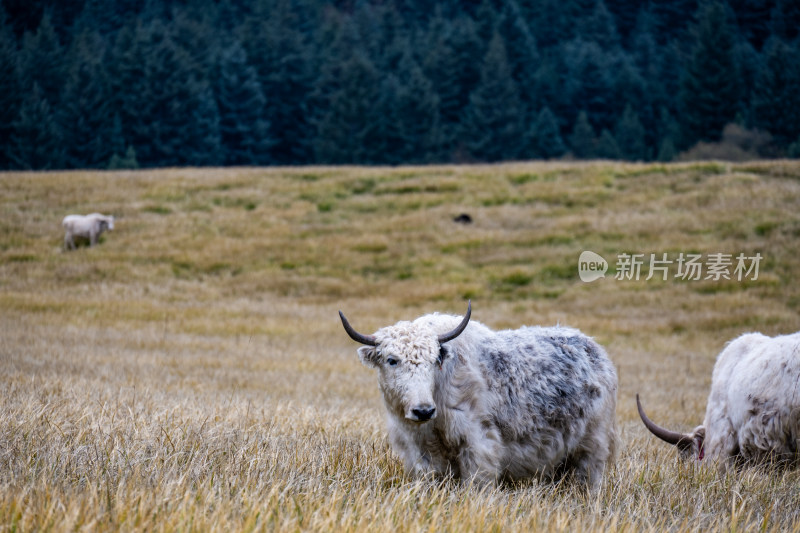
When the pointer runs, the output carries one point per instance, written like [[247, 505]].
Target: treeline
[[127, 83]]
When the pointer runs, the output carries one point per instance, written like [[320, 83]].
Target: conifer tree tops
[[290, 82]]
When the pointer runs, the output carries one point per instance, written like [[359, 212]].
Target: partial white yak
[[753, 410]]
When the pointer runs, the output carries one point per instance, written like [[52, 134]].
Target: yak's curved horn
[[459, 329], [369, 340], [681, 440]]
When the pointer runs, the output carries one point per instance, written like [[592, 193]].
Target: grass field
[[190, 372]]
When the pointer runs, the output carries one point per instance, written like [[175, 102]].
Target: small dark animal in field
[[463, 218], [86, 227], [753, 410], [467, 401]]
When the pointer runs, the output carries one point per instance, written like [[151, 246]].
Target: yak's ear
[[369, 356], [699, 437], [445, 353]]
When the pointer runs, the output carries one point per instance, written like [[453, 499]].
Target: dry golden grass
[[190, 372]]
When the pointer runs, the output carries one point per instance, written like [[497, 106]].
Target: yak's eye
[[442, 354], [392, 361]]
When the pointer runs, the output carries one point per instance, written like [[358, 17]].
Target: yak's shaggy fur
[[508, 405]]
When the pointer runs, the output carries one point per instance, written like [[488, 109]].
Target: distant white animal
[[86, 227], [753, 410], [466, 401]]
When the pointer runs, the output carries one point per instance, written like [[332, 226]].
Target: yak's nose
[[424, 413]]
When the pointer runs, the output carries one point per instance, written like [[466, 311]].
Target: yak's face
[[408, 357], [697, 449], [105, 222]]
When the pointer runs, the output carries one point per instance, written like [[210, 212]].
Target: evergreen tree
[[126, 162], [523, 55], [794, 150], [598, 26], [243, 130], [229, 13], [156, 142], [492, 122], [644, 48], [117, 146], [192, 31], [466, 47], [449, 63], [168, 111], [631, 91], [283, 59], [665, 90], [103, 16], [630, 136], [628, 85], [753, 18], [84, 112], [365, 19], [549, 91], [486, 19], [545, 137], [10, 90], [653, 78], [130, 90], [607, 147], [383, 34], [710, 85], [749, 62], [785, 21], [417, 13], [184, 88], [42, 61], [582, 140], [549, 22], [386, 144], [625, 14], [351, 94], [667, 131], [666, 151], [417, 113], [197, 123], [776, 99], [23, 17], [590, 86], [439, 65], [670, 18], [36, 141]]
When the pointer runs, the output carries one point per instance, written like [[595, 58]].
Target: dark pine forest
[[146, 83]]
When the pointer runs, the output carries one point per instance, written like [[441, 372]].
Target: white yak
[[85, 226], [467, 401], [753, 410]]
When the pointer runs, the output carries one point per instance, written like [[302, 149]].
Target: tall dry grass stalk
[[189, 373]]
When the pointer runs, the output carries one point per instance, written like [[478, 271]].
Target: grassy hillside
[[190, 372]]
